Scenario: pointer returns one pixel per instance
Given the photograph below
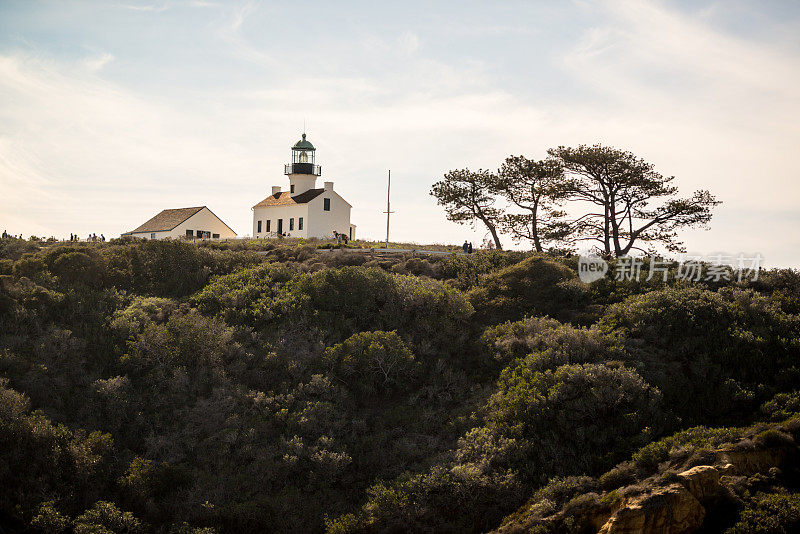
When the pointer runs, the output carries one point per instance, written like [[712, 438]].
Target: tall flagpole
[[388, 207]]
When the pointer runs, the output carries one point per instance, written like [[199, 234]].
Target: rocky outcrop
[[701, 481], [669, 510], [678, 498], [750, 461]]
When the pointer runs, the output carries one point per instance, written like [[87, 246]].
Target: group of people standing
[[90, 237], [6, 235], [467, 247], [340, 237]]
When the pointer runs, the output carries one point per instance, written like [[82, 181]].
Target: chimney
[[328, 186], [276, 189]]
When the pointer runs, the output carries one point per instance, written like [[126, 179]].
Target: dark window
[[300, 223], [280, 226], [152, 236], [189, 233], [215, 236], [291, 224], [291, 188], [351, 232], [327, 204], [259, 227], [267, 225]]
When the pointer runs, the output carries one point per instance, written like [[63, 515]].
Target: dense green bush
[[648, 457], [40, 461], [467, 271], [104, 517], [776, 513], [708, 352], [372, 363], [78, 268], [245, 391], [461, 498], [535, 286], [565, 344], [782, 406], [576, 418], [325, 307]]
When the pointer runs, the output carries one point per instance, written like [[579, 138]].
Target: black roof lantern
[[303, 153]]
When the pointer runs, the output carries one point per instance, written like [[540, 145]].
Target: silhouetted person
[[469, 248], [5, 234], [465, 247], [102, 238]]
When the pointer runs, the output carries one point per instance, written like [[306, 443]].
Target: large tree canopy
[[536, 187], [466, 197], [623, 189]]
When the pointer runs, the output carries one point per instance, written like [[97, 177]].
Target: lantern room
[[303, 153]]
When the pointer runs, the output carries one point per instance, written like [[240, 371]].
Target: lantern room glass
[[302, 156]]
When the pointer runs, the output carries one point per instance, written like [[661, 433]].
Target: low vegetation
[[266, 386]]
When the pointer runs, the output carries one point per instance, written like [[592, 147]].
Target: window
[[189, 233], [291, 224], [291, 188], [326, 204], [259, 227], [300, 223], [152, 236], [267, 225], [215, 236]]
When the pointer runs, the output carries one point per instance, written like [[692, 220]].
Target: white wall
[[146, 235], [203, 220], [322, 223], [302, 183], [273, 213], [206, 221]]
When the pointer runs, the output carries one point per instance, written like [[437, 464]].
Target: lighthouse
[[304, 210]]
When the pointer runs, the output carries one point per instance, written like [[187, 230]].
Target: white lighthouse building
[[304, 210]]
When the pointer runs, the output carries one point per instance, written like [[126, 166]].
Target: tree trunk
[[537, 244], [493, 231], [497, 244]]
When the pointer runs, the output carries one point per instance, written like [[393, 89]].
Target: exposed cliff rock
[[681, 497], [669, 510]]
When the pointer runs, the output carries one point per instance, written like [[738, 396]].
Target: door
[[280, 226]]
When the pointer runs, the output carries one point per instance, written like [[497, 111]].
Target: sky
[[112, 111]]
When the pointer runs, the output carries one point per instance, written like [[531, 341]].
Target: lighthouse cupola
[[303, 159]]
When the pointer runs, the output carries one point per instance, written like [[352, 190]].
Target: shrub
[[49, 520], [576, 418], [508, 341], [466, 271], [29, 266], [372, 363], [78, 268], [40, 461], [460, 498], [104, 517], [648, 457], [535, 286], [776, 513], [782, 406], [320, 309], [708, 352]]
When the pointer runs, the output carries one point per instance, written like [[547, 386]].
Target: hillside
[[269, 386]]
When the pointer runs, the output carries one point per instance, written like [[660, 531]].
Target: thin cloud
[[84, 153]]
